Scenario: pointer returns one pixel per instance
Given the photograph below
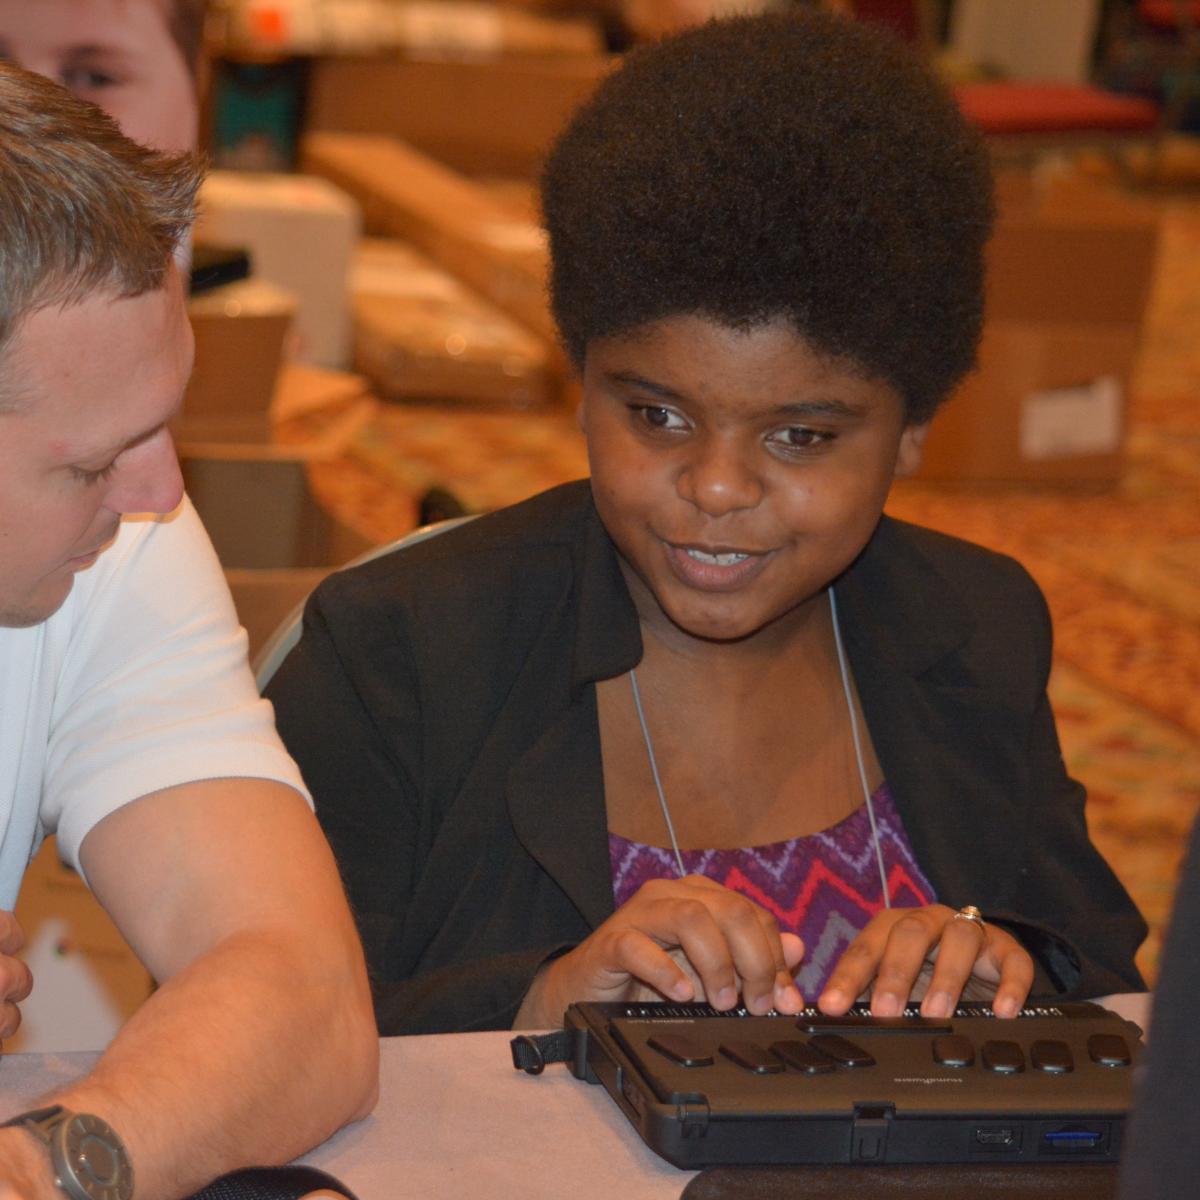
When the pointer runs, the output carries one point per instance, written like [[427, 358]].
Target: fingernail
[[886, 1004], [682, 990], [726, 998], [1006, 1006], [832, 998], [940, 1004], [788, 999]]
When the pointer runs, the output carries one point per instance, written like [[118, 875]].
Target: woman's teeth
[[720, 560]]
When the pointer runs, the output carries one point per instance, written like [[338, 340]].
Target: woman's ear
[[910, 450]]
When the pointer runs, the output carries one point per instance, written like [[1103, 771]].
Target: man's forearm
[[247, 1056], [261, 1040]]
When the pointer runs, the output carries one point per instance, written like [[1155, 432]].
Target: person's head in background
[[95, 347], [136, 59]]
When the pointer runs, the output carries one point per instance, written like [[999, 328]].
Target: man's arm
[[260, 1041]]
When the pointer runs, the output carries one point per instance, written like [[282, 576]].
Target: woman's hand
[[908, 953], [688, 940]]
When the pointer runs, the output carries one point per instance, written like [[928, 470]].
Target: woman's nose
[[719, 478]]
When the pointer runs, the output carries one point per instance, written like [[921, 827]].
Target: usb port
[[999, 1136], [1073, 1140]]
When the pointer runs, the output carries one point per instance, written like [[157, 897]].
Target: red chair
[[1022, 115]]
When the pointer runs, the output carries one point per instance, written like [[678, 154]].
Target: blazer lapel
[[556, 803], [945, 745], [556, 789]]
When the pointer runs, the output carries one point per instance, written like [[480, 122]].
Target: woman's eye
[[798, 437], [658, 417]]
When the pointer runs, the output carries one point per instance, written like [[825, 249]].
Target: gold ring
[[969, 912]]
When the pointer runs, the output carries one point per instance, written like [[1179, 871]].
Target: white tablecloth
[[455, 1121]]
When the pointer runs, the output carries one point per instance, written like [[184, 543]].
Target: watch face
[[90, 1160]]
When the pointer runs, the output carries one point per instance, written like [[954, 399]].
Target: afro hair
[[799, 166]]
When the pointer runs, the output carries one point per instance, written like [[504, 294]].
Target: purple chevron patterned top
[[824, 887]]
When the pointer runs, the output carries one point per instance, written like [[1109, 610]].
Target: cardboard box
[[259, 511], [1069, 274], [419, 334], [316, 412], [300, 233], [405, 194], [482, 118], [273, 538], [240, 332]]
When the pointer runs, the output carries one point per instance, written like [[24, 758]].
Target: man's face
[[92, 387], [118, 54]]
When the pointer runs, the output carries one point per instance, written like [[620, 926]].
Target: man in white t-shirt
[[129, 723]]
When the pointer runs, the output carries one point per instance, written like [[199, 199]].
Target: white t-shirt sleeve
[[154, 689]]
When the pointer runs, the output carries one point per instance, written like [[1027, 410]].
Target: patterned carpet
[[1121, 568], [1121, 571]]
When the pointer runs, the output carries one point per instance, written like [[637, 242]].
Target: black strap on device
[[532, 1051], [272, 1183]]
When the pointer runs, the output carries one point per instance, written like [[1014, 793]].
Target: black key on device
[[751, 1056], [685, 1051], [1005, 1058], [1109, 1050], [953, 1050], [842, 1050], [1052, 1056], [805, 1058]]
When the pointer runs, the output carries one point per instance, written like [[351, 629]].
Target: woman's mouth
[[715, 569], [720, 559]]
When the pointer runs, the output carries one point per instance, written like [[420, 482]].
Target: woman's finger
[[630, 953], [960, 947], [752, 935], [734, 944], [787, 951], [913, 933], [692, 925], [852, 974], [1016, 972]]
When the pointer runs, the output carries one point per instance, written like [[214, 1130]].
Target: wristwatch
[[87, 1156]]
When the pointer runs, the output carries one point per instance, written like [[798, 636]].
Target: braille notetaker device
[[704, 1088]]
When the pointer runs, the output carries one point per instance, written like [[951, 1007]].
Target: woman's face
[[118, 54], [738, 471]]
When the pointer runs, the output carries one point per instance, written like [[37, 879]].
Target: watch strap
[[39, 1121]]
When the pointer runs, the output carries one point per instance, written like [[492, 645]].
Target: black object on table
[[708, 1089], [272, 1183]]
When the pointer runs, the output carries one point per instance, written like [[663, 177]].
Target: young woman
[[709, 725]]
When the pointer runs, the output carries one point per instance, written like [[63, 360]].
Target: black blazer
[[1162, 1152], [442, 707]]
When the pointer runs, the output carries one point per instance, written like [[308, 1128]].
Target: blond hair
[[83, 209]]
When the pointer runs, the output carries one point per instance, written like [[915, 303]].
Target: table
[[454, 1120]]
